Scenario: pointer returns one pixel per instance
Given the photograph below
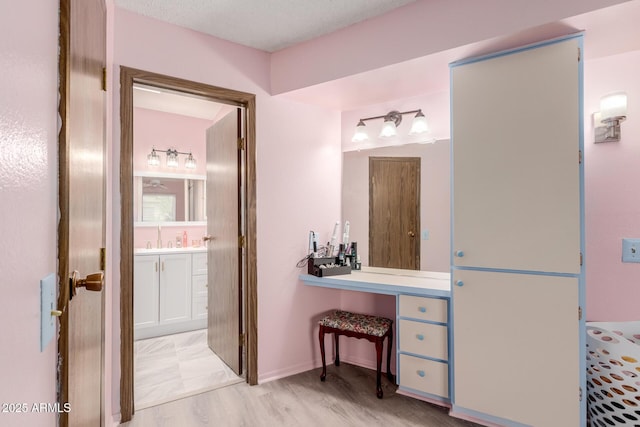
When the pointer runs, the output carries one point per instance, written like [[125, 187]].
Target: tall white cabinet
[[517, 236]]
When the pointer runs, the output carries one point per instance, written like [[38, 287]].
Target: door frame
[[129, 76]]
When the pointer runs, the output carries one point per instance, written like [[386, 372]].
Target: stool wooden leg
[[379, 367], [323, 376], [335, 336], [389, 346]]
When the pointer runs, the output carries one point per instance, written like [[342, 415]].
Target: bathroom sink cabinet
[[163, 295]]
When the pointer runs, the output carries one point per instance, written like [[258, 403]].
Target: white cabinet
[[423, 350], [163, 301], [199, 286], [517, 227]]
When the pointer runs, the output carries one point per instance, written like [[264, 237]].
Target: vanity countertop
[[386, 281], [164, 251]]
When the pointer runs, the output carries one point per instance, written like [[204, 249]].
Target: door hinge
[[104, 79], [579, 313], [240, 143], [103, 259], [579, 53], [580, 258], [580, 394], [580, 156], [242, 340], [241, 241]]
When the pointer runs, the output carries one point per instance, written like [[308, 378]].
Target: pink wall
[[28, 189], [416, 30], [162, 131], [290, 200], [612, 201]]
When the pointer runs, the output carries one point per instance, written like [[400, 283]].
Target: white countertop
[[386, 281], [163, 251]]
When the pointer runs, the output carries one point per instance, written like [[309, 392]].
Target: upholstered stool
[[372, 328]]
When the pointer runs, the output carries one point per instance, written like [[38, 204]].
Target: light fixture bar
[[172, 158], [391, 121]]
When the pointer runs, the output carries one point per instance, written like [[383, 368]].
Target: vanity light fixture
[[390, 125], [606, 122], [172, 158]]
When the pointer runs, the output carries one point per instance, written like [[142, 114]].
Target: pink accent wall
[[28, 190], [162, 131], [415, 30], [612, 201]]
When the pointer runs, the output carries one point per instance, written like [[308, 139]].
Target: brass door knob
[[207, 238], [93, 282], [411, 234]]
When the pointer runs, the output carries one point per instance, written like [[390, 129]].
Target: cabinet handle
[[421, 373], [420, 337], [156, 266], [459, 283], [422, 309], [162, 265], [459, 254]]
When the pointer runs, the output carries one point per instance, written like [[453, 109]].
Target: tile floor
[[176, 366]]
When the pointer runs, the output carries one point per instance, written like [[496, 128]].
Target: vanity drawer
[[425, 339], [432, 309], [199, 284], [199, 263], [424, 375]]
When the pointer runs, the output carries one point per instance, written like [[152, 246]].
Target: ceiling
[[266, 25]]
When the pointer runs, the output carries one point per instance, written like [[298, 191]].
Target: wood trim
[[129, 76], [64, 69]]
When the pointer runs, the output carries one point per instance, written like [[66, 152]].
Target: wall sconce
[[172, 158], [606, 122], [391, 122]]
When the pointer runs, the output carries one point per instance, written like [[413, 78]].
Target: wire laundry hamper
[[613, 373]]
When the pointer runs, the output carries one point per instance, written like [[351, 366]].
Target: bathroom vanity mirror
[[165, 198], [434, 199]]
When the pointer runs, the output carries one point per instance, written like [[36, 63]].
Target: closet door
[[517, 236], [515, 132]]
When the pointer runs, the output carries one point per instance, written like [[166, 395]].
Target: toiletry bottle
[[178, 241], [184, 239], [341, 261]]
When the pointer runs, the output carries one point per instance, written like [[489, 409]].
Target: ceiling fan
[[154, 183]]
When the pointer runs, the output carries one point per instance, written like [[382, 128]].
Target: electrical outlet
[[425, 234], [630, 250]]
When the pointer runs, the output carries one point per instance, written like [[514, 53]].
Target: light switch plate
[[47, 304], [630, 250]]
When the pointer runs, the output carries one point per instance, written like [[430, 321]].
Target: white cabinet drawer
[[424, 375], [199, 264], [425, 339], [199, 284], [432, 309]]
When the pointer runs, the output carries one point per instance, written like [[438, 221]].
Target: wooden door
[[517, 237], [82, 208], [394, 212], [224, 252]]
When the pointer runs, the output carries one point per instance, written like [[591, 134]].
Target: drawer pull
[[421, 373], [459, 283], [420, 337], [422, 309]]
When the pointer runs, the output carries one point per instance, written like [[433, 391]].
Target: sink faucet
[[159, 237]]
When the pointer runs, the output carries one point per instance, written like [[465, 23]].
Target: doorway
[[234, 100]]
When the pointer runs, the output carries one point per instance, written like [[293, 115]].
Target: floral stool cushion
[[361, 323]]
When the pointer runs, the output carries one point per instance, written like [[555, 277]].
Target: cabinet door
[[516, 172], [145, 288], [175, 288], [517, 347]]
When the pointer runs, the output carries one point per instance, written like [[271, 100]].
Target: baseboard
[[287, 372]]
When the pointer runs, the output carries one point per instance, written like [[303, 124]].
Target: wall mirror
[[434, 209], [169, 199]]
